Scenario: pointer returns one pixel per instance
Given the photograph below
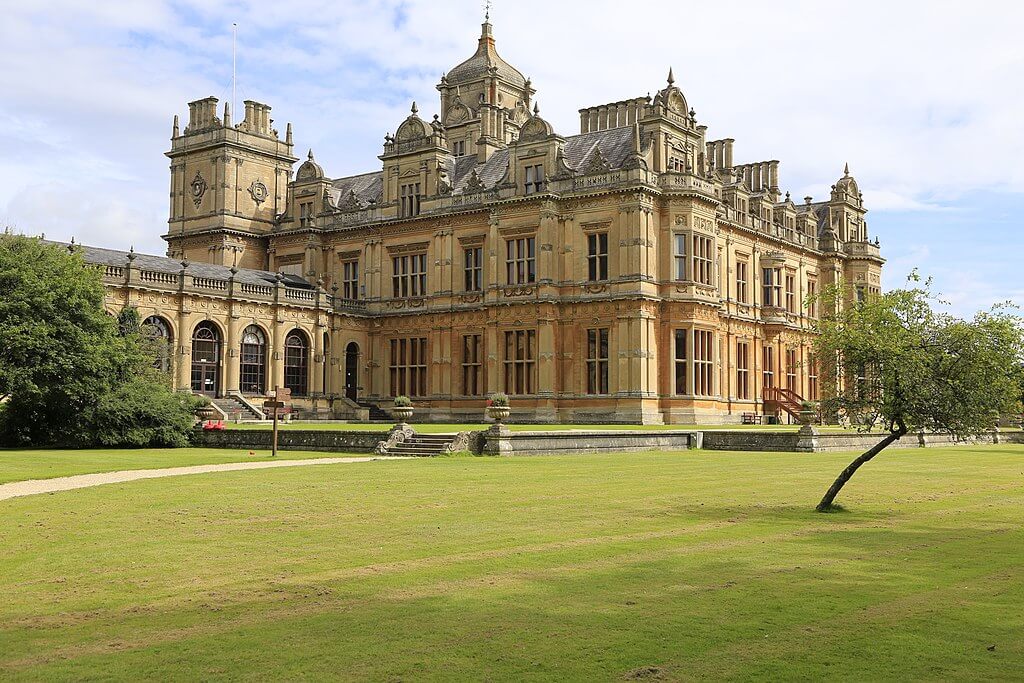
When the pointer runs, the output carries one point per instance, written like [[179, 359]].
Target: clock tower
[[228, 185]]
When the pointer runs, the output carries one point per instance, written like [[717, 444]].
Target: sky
[[924, 100]]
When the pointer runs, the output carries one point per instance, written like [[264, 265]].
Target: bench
[[752, 418]]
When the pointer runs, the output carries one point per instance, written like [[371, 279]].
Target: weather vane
[[487, 10]]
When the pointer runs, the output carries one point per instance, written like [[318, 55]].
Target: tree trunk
[[847, 474]]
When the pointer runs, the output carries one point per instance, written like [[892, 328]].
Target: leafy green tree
[[70, 374], [898, 364]]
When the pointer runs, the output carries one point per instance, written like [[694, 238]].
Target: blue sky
[[921, 98]]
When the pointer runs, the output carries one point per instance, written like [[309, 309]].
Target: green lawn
[[671, 566], [18, 465]]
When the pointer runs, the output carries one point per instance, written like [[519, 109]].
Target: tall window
[[520, 361], [812, 380], [703, 263], [742, 370], [597, 361], [520, 260], [473, 259], [472, 365], [296, 363], [771, 282], [409, 275], [459, 148], [597, 256], [206, 359], [767, 367], [409, 367], [791, 291], [703, 363], [679, 255], [534, 179], [305, 213], [409, 195], [812, 301], [350, 279], [157, 332], [791, 382], [741, 282], [253, 362], [681, 387]]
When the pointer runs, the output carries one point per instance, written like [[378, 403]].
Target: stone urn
[[403, 413], [498, 413], [206, 412], [807, 417]]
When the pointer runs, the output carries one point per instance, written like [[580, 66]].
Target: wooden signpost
[[277, 401]]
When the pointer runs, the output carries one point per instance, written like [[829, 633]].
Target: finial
[[846, 170], [808, 199], [671, 78], [415, 109], [288, 134], [227, 114], [487, 11], [536, 108], [174, 129], [184, 263], [787, 196], [310, 155]]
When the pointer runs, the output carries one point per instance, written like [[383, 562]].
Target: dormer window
[[410, 200], [305, 214], [534, 179], [459, 148]]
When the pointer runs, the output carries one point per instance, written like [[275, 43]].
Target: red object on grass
[[217, 426]]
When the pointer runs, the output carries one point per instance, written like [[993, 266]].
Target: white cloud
[[917, 97]]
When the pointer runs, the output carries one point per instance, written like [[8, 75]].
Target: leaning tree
[[895, 363]]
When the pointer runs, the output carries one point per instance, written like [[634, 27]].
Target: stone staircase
[[235, 409], [420, 445], [376, 414]]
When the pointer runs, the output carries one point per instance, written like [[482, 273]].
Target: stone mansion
[[634, 272]]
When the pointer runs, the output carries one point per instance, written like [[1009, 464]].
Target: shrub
[[499, 400], [403, 402]]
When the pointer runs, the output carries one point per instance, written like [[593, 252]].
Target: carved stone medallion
[[258, 191], [198, 189]]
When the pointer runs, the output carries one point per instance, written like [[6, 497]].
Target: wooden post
[[277, 401]]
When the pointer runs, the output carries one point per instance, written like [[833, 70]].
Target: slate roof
[[162, 264], [616, 144], [483, 60], [368, 187]]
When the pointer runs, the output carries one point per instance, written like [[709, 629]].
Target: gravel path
[[32, 487]]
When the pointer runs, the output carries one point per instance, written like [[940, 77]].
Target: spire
[[846, 170], [671, 78]]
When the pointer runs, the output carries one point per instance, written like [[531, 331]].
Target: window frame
[[597, 256], [597, 361], [521, 260], [520, 362]]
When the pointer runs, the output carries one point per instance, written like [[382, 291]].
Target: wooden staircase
[[776, 399]]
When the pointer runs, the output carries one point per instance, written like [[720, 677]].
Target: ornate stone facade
[[631, 273]]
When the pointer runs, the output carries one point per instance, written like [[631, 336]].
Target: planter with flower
[[497, 407], [403, 408], [808, 412]]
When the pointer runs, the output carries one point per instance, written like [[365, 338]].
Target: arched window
[[157, 332], [254, 361], [296, 363], [206, 359]]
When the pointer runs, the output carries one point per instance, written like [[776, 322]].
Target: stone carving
[[474, 184], [597, 163], [199, 188], [258, 191], [350, 203]]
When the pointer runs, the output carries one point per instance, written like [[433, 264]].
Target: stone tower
[[228, 185]]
